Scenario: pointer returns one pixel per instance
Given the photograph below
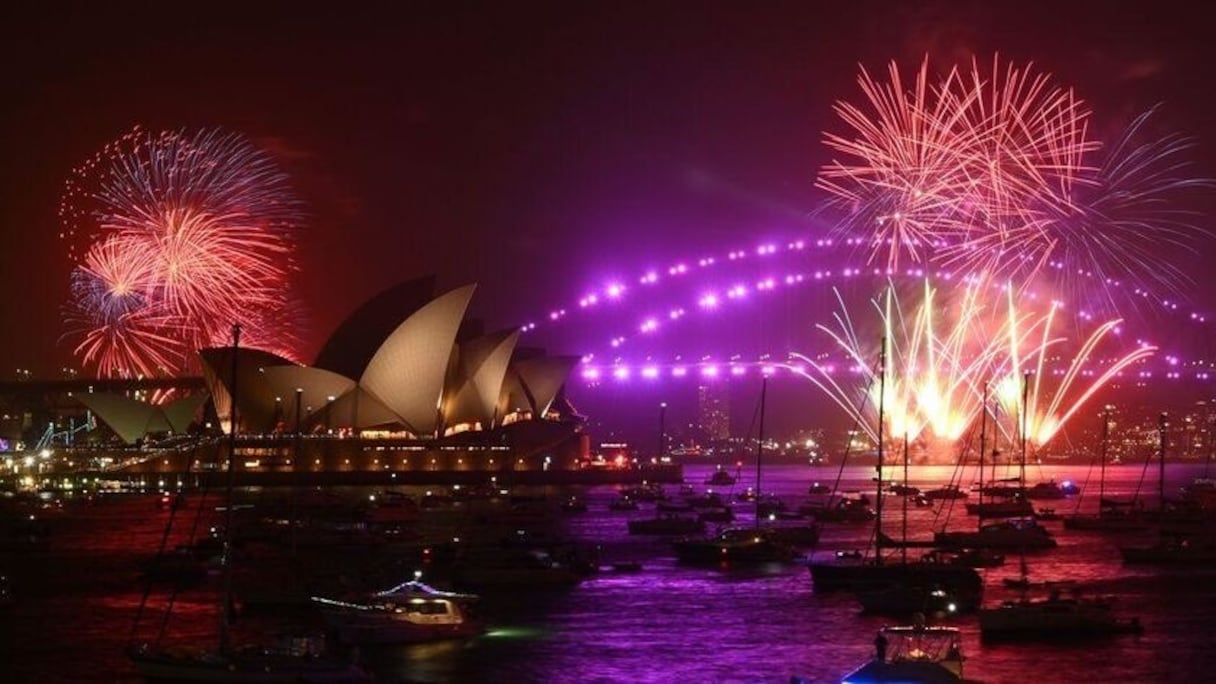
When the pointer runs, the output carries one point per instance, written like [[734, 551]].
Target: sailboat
[[292, 661], [876, 573], [1171, 547], [1019, 532], [741, 545], [1010, 502], [1053, 618], [1112, 515]]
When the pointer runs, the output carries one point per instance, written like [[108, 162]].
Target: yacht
[[1015, 533], [1053, 618], [411, 612], [950, 491], [1169, 550], [735, 546], [930, 655]]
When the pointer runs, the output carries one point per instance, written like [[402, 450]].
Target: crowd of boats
[[494, 539]]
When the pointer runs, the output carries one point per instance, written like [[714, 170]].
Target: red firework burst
[[173, 236]]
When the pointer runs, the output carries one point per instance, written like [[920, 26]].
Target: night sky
[[532, 148]]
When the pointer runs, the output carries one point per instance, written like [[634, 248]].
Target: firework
[[936, 361], [172, 237], [994, 172]]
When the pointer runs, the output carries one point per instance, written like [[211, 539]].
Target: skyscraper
[[713, 410]]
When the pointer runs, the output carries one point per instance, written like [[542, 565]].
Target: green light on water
[[513, 633]]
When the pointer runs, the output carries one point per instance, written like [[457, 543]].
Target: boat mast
[[983, 445], [1102, 464], [225, 597], [760, 444], [1025, 406], [1162, 424], [904, 531], [882, 390]]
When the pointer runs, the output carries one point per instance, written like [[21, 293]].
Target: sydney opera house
[[406, 385]]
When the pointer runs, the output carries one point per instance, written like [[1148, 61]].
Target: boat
[[742, 545], [949, 491], [1171, 547], [1009, 507], [1020, 532], [971, 558], [622, 503], [875, 572], [292, 661], [1053, 618], [1172, 550], [1014, 533], [902, 489], [916, 653], [411, 612], [721, 478], [845, 509], [1112, 516], [1052, 490], [734, 546], [1046, 513]]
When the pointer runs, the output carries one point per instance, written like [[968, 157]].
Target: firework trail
[[992, 171], [938, 359], [173, 236]]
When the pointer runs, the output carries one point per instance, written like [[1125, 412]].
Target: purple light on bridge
[[708, 301], [649, 325], [621, 372], [679, 372], [591, 374], [710, 371], [738, 370], [649, 279], [614, 290], [650, 372]]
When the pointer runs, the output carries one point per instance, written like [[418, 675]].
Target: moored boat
[[734, 546], [1054, 617], [1015, 533]]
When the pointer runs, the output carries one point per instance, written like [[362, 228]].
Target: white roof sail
[[513, 397], [482, 368], [318, 385], [407, 371], [543, 378], [257, 410], [128, 418], [180, 412], [358, 409]]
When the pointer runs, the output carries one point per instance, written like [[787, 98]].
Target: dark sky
[[528, 147]]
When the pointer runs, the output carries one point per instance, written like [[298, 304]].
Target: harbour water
[[77, 599]]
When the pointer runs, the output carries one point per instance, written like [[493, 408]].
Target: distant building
[[713, 410]]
